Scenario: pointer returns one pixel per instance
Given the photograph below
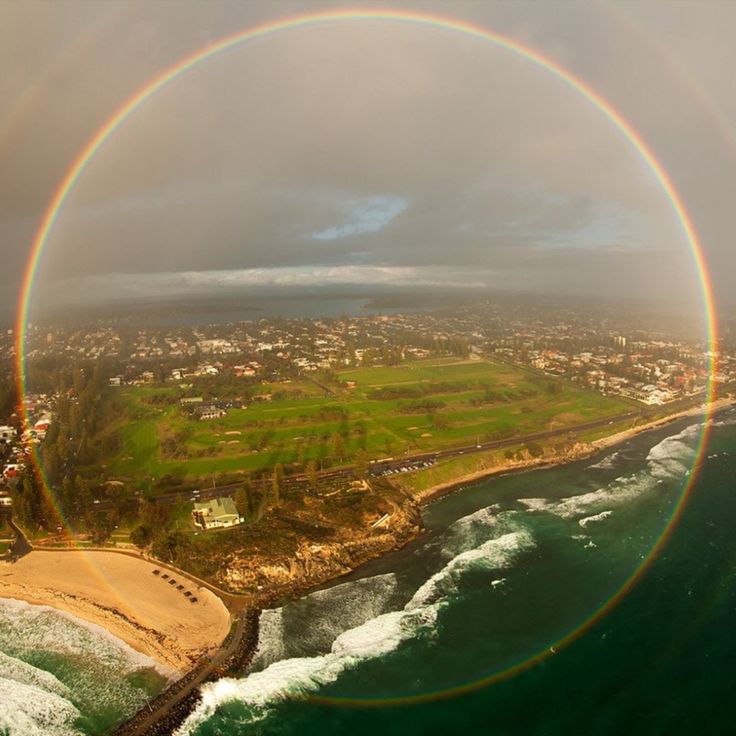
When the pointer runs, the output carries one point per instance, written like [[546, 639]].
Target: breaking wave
[[298, 676], [309, 626], [471, 530], [28, 710], [26, 627], [668, 460], [596, 517], [54, 668], [495, 554], [375, 635], [607, 463]]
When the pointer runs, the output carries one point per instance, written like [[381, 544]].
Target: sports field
[[383, 411]]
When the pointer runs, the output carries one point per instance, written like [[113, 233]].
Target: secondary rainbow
[[468, 30]]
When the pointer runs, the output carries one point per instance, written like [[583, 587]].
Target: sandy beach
[[429, 494], [615, 439], [122, 594]]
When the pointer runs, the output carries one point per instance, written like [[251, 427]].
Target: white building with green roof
[[216, 513]]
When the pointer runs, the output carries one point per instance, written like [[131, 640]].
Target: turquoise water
[[508, 568], [59, 675]]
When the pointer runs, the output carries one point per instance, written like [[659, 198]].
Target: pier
[[168, 710]]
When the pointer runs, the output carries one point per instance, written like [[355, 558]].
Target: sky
[[366, 156]]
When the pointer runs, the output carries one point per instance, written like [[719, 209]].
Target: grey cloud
[[270, 155]]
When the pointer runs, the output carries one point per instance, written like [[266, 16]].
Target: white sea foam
[[375, 637], [271, 645], [669, 459], [26, 674], [320, 618], [673, 456], [42, 628], [472, 529], [383, 634], [725, 423], [89, 669], [294, 677], [596, 517], [26, 710], [495, 554], [607, 463]]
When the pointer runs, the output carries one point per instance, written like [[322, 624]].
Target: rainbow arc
[[431, 22]]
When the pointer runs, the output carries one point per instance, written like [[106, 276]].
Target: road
[[21, 546], [347, 471]]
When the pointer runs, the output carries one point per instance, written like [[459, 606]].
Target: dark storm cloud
[[368, 153]]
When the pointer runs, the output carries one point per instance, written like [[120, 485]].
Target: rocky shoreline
[[270, 582]]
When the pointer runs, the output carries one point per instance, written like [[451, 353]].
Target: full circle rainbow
[[470, 31]]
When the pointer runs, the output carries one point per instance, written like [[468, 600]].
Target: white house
[[217, 513]]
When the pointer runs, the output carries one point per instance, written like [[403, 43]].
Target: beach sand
[[121, 594], [615, 439]]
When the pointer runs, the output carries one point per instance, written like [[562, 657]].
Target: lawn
[[386, 411]]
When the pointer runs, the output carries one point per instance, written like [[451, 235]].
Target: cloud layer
[[356, 153]]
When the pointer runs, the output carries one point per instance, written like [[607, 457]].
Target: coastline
[[120, 594], [581, 452]]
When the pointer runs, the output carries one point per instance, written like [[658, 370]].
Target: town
[[616, 354]]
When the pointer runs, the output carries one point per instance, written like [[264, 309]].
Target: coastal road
[[381, 466]]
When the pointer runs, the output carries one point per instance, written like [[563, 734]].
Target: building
[[42, 425], [216, 514], [210, 412], [7, 434]]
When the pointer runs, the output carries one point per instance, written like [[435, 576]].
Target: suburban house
[[11, 470], [215, 514]]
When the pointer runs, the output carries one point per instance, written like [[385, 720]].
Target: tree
[[242, 498], [171, 546], [155, 515], [361, 463], [312, 475], [100, 527], [141, 536], [277, 483], [534, 449], [338, 445]]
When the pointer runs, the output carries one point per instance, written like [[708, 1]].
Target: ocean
[[62, 676], [462, 630]]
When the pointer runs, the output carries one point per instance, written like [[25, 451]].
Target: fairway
[[376, 412]]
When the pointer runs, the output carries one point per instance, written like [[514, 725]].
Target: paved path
[[21, 546]]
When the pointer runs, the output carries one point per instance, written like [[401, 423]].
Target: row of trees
[[69, 445]]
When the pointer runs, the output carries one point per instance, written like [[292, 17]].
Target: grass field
[[387, 411]]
